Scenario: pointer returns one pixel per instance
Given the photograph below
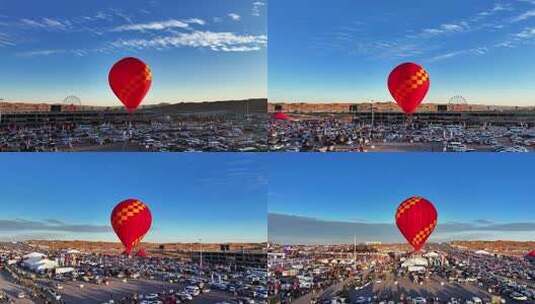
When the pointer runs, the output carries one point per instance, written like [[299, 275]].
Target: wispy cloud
[[159, 25], [234, 16], [195, 21], [446, 28], [77, 52], [498, 7], [524, 16], [473, 51], [257, 5], [50, 225], [40, 53], [5, 40], [216, 41], [118, 30], [526, 33], [46, 23]]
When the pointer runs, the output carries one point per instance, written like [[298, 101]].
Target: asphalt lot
[[432, 287], [12, 289], [93, 293]]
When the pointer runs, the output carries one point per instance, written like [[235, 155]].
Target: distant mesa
[[455, 104], [117, 247], [74, 103]]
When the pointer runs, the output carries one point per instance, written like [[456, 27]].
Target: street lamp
[[200, 253]]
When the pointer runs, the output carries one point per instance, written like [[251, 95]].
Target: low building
[[254, 259]]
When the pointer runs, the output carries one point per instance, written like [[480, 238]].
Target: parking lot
[[333, 134], [392, 288], [12, 290], [444, 274], [190, 135], [117, 290]]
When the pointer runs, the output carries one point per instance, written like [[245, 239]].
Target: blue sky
[[477, 195], [343, 50], [197, 49], [216, 197]]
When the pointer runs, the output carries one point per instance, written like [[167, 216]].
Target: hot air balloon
[[131, 220], [416, 219], [141, 253], [130, 80], [279, 116], [408, 83], [530, 257]]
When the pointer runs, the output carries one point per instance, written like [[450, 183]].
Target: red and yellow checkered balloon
[[131, 220], [408, 84], [416, 219], [130, 79]]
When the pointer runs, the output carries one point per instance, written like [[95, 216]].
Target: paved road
[[326, 293]]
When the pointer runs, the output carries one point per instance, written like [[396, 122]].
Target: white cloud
[[445, 28], [5, 40], [498, 7], [160, 25], [49, 52], [524, 16], [41, 53], [216, 41], [46, 23], [256, 8], [473, 51], [234, 16], [527, 33], [195, 21]]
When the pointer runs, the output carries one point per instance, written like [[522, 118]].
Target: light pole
[[200, 253]]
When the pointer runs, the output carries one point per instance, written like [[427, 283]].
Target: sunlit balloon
[[416, 219], [130, 79], [131, 220], [408, 84], [531, 256], [280, 116]]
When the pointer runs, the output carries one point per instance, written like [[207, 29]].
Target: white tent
[[431, 255], [38, 262], [416, 261]]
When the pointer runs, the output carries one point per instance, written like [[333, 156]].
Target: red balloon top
[[416, 218], [280, 116], [130, 79], [408, 83], [131, 220]]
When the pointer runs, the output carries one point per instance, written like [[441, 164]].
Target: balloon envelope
[[408, 84], [416, 219], [280, 116], [130, 80], [141, 253], [131, 220]]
